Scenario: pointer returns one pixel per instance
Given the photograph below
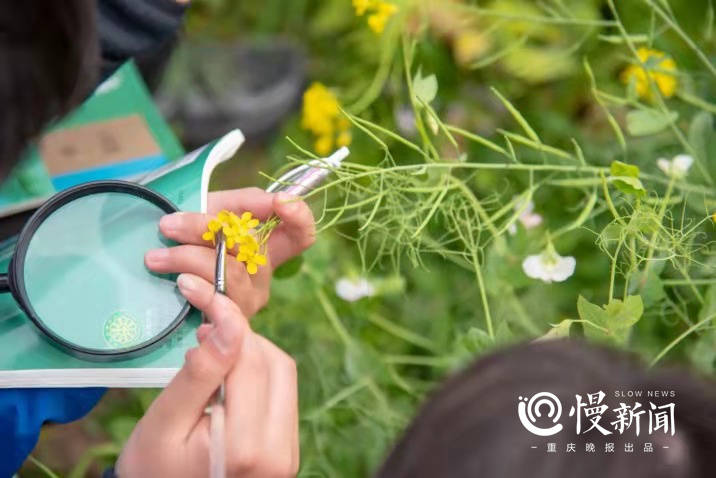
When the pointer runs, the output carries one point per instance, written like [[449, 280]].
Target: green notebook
[[117, 133], [28, 359]]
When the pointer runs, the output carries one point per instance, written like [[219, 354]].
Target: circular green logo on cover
[[121, 330]]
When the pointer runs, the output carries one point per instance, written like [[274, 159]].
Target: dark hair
[[470, 426], [48, 62]]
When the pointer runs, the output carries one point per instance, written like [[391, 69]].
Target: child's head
[[48, 62], [471, 428]]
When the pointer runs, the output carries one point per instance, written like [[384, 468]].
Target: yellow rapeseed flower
[[321, 115], [379, 12], [659, 67], [224, 221], [250, 255], [240, 231]]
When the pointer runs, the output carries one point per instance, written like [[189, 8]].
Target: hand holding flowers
[[269, 245]]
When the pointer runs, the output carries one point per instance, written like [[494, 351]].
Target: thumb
[[182, 403], [296, 232]]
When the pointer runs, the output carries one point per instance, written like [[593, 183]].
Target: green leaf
[[649, 284], [558, 331], [591, 312], [611, 322], [537, 64], [624, 314], [474, 341], [425, 88], [708, 309], [646, 122], [503, 334], [625, 178], [703, 352], [701, 130], [618, 168], [629, 185], [289, 268]]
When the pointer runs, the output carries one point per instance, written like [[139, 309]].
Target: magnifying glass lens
[[85, 277]]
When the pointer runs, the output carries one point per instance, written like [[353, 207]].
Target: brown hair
[[49, 59], [470, 426]]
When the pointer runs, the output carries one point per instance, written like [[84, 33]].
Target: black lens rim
[[17, 263]]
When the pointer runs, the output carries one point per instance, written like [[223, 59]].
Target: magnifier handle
[[4, 283]]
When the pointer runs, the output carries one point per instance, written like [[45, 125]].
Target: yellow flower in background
[[321, 115], [379, 11], [660, 68], [344, 139], [469, 45], [362, 6], [249, 254], [381, 15]]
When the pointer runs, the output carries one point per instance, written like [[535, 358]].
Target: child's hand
[[261, 415], [197, 256]]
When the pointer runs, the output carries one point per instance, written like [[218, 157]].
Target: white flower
[[677, 167], [528, 218], [548, 266], [352, 290]]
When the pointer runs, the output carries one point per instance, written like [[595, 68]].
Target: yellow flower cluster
[[322, 116], [660, 68], [239, 231], [379, 12]]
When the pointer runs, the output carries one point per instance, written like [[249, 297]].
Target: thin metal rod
[[217, 451]]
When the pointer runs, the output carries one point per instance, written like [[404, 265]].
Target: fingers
[[200, 261], [188, 227], [283, 408], [180, 406], [202, 332], [262, 412], [250, 293], [296, 232], [185, 227], [256, 200]]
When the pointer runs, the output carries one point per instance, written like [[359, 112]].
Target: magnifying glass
[[78, 271]]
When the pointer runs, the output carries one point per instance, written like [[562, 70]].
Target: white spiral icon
[[528, 408]]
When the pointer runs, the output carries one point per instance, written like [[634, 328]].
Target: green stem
[[333, 318], [338, 398], [483, 296], [402, 333], [681, 337], [612, 276], [610, 204], [660, 219]]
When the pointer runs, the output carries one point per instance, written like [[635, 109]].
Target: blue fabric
[[23, 411]]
